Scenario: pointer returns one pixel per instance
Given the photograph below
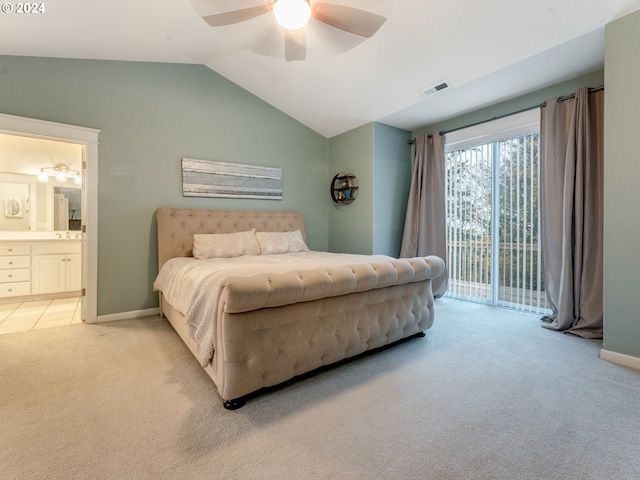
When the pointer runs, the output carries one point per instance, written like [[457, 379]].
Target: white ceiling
[[487, 51]]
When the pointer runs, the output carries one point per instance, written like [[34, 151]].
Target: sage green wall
[[152, 115], [622, 196], [392, 178], [351, 226], [594, 79], [380, 157]]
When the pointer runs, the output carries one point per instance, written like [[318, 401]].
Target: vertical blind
[[493, 222]]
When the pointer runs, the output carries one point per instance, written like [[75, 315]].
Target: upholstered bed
[[263, 324]]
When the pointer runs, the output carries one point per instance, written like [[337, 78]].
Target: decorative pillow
[[225, 245], [281, 242]]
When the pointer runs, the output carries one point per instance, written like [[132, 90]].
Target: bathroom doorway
[[86, 140]]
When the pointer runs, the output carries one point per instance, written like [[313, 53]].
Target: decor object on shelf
[[61, 172], [74, 207], [203, 178], [344, 188]]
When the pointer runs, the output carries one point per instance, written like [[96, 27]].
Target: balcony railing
[[520, 281]]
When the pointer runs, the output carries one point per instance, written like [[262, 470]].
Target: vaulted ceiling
[[486, 51]]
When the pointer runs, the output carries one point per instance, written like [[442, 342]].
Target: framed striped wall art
[[204, 178]]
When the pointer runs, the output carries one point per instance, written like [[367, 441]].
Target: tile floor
[[38, 314]]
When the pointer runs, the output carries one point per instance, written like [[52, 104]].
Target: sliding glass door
[[492, 223]]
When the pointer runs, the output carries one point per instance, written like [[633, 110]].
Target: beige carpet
[[488, 394]]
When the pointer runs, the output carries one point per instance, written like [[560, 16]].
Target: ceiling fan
[[293, 16]]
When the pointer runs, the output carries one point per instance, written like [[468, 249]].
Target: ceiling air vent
[[435, 89]]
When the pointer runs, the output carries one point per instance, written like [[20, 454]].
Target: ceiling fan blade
[[235, 16], [295, 45], [349, 19]]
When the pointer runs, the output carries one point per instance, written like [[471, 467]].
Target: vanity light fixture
[[61, 173]]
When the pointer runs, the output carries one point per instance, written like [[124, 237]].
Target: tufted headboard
[[176, 226]]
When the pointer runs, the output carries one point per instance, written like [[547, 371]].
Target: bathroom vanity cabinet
[[15, 270], [40, 267]]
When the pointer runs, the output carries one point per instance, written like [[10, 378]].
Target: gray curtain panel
[[571, 211], [425, 223]]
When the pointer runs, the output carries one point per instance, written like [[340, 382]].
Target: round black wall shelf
[[344, 188]]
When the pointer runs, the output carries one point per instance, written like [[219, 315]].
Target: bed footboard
[[269, 346]]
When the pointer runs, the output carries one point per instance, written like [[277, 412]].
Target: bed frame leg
[[234, 404]]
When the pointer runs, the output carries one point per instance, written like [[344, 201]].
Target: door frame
[[88, 139]]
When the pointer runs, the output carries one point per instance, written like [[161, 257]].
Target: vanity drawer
[[15, 262], [15, 249], [57, 247], [15, 289], [10, 276]]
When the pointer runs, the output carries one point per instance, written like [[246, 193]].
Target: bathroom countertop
[[31, 239]]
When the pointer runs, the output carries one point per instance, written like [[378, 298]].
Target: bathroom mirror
[[29, 204]]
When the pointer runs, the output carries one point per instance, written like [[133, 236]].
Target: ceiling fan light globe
[[292, 14]]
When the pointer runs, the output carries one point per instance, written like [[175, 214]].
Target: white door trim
[[88, 137]]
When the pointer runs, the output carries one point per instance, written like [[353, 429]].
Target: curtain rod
[[411, 142], [591, 90], [541, 105]]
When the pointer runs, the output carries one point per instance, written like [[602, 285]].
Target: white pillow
[[225, 245], [281, 242]]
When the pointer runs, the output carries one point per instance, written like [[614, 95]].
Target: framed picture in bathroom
[[13, 208]]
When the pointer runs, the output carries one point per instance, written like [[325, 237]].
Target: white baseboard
[[125, 315], [620, 359]]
